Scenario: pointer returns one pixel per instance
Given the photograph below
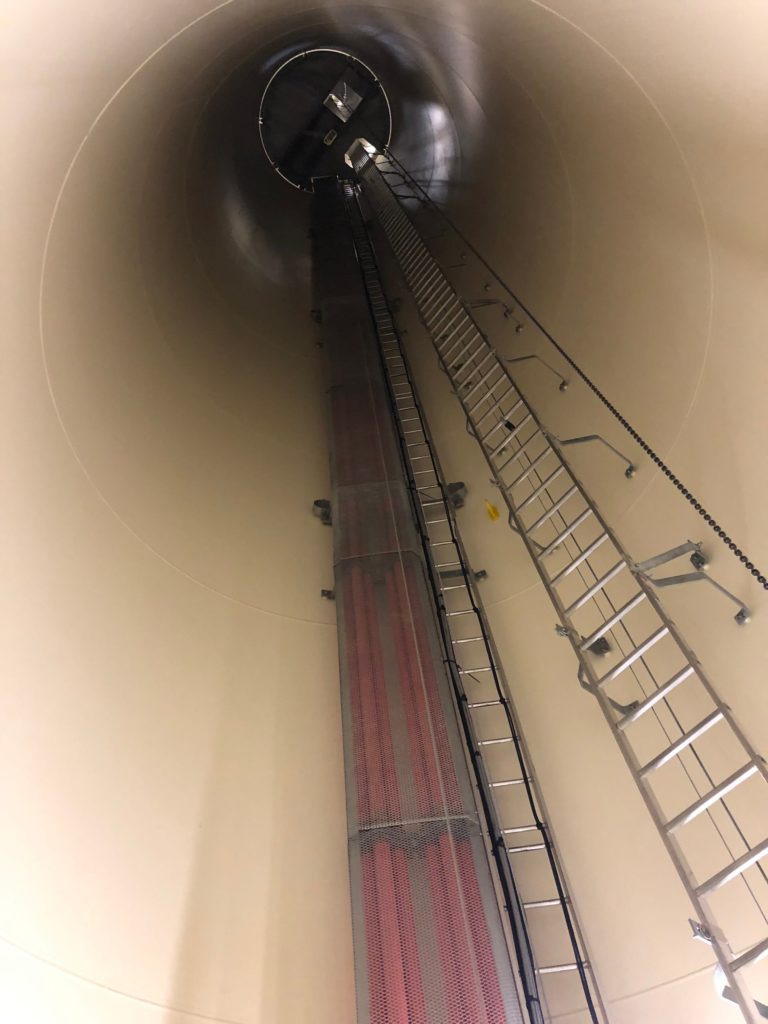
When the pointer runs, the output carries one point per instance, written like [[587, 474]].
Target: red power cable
[[408, 940], [472, 997], [360, 752], [423, 767], [481, 940], [378, 686], [377, 796], [389, 926], [376, 983]]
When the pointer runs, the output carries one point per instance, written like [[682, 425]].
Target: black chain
[[692, 500]]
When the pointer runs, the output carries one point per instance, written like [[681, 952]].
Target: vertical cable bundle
[[429, 947]]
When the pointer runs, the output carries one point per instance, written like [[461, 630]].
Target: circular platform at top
[[314, 107]]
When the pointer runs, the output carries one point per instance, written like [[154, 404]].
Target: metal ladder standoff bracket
[[564, 442], [508, 311], [321, 509], [562, 386], [621, 709], [699, 562], [701, 932]]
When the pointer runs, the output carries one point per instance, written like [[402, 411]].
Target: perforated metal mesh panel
[[429, 946]]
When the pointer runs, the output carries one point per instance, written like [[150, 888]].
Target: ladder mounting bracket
[[562, 386], [563, 442], [699, 562]]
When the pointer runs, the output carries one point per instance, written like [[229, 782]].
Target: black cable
[[634, 434]]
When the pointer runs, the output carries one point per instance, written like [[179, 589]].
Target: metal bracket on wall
[[524, 359], [629, 472], [509, 313], [622, 709], [699, 562], [321, 508]]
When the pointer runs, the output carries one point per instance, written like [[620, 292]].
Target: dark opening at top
[[314, 107]]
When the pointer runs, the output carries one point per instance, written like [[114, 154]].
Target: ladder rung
[[566, 533], [496, 405], [750, 956], [486, 376], [595, 588], [467, 345], [463, 611], [613, 620], [549, 450], [557, 968], [484, 703], [485, 397], [528, 848], [446, 565], [699, 806], [473, 671], [585, 554], [533, 904], [513, 433], [435, 298], [538, 491], [551, 511], [502, 422], [630, 659], [522, 450], [738, 867], [509, 426], [467, 364], [655, 697], [431, 295], [422, 277], [509, 782], [679, 745], [516, 829], [468, 640], [444, 352], [448, 316], [493, 742]]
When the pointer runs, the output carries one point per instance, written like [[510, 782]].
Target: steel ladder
[[502, 765], [567, 539]]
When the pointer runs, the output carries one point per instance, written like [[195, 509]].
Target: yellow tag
[[493, 512]]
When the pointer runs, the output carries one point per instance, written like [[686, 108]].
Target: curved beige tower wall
[[173, 841]]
